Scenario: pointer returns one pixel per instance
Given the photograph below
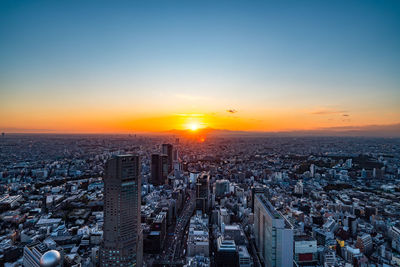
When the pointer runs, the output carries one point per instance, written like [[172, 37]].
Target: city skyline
[[91, 200], [154, 67]]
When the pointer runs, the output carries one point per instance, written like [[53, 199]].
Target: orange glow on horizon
[[105, 121]]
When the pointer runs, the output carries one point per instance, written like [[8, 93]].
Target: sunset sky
[[117, 67]]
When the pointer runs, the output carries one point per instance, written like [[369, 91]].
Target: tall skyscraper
[[164, 169], [273, 234], [155, 169], [221, 187], [167, 149], [203, 192], [226, 254], [123, 242], [159, 169], [312, 170]]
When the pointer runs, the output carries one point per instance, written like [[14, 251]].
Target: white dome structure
[[51, 258]]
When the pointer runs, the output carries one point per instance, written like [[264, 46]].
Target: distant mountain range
[[389, 131]]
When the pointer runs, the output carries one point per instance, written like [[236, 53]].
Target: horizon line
[[366, 130]]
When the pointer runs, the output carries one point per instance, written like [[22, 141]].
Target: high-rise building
[[159, 169], [312, 170], [203, 192], [155, 178], [226, 254], [177, 169], [156, 170], [175, 155], [364, 243], [164, 169], [167, 149], [351, 222], [221, 187], [257, 190], [123, 242], [273, 234]]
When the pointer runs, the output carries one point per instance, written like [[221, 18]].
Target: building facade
[[159, 169], [273, 234], [203, 192], [167, 149], [305, 251], [122, 243]]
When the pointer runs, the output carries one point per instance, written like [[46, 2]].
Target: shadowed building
[[167, 149], [226, 254], [159, 169], [156, 169], [164, 169], [203, 192], [123, 243]]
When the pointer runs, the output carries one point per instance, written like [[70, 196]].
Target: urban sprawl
[[135, 200]]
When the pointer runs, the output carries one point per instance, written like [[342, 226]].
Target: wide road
[[182, 225], [174, 243]]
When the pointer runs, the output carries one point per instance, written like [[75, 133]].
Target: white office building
[[273, 234]]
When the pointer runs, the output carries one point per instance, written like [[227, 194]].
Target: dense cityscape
[[167, 200], [200, 133]]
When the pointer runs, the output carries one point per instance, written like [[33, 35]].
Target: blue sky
[[254, 56]]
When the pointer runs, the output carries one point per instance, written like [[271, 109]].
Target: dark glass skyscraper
[[164, 169], [159, 169], [203, 192], [167, 149], [123, 242], [155, 178]]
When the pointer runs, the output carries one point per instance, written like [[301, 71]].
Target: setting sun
[[194, 126]]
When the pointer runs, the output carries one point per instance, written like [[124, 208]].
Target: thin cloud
[[345, 115], [231, 111], [327, 112]]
